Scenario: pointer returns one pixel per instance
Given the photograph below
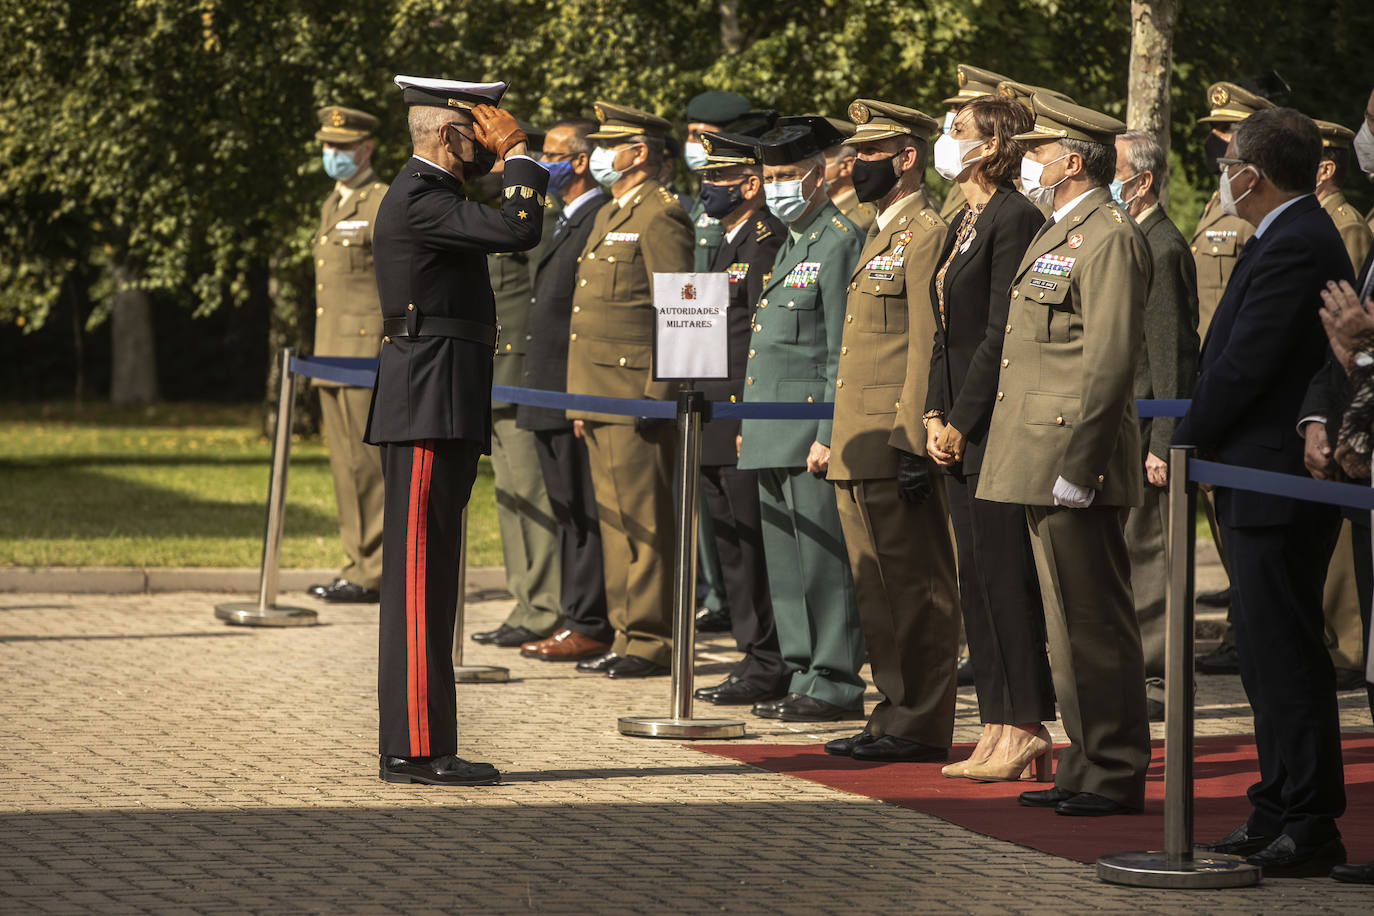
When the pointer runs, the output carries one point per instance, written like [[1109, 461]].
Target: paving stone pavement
[[156, 760]]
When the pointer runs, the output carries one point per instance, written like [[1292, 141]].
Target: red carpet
[[1223, 768]]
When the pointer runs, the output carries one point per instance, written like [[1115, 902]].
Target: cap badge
[[859, 113], [706, 144], [963, 78], [600, 112], [1219, 96], [337, 118], [1075, 240]]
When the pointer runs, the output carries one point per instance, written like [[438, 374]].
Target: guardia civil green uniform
[[973, 82], [1065, 409], [900, 552], [348, 322], [794, 352]]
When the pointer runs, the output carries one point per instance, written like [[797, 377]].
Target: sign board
[[691, 331]]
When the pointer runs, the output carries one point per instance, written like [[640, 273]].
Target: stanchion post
[[1178, 865], [691, 405], [266, 612], [469, 674]]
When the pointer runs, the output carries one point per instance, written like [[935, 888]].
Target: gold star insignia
[[902, 221], [523, 215], [815, 235]]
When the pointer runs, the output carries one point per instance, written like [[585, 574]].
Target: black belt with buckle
[[425, 326]]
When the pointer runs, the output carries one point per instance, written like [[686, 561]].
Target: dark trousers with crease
[[1277, 574], [568, 482], [733, 498], [428, 483], [1004, 619]]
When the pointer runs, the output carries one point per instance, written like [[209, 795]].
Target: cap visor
[[341, 136], [863, 135]]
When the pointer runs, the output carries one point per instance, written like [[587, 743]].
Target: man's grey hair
[[1099, 159], [578, 129], [425, 122], [1145, 154], [843, 151]]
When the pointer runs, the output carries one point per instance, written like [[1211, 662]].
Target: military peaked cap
[[620, 121], [973, 82], [1056, 119], [344, 125], [420, 90], [878, 120], [1231, 104]]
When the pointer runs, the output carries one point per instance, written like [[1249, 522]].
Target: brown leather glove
[[497, 130]]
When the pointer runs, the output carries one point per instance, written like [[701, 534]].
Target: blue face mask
[[1118, 188], [785, 198], [695, 154], [560, 173], [603, 168], [339, 164], [718, 200]]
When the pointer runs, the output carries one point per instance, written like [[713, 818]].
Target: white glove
[[1072, 495]]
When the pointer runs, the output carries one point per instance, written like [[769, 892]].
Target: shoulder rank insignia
[[1116, 214], [761, 231], [931, 219], [737, 271], [1054, 264], [525, 193], [803, 276], [839, 225]]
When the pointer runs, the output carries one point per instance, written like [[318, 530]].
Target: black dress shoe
[[515, 637], [1154, 709], [1221, 660], [635, 666], [599, 664], [796, 707], [844, 747], [964, 672], [1214, 599], [438, 771], [743, 693], [1354, 874], [319, 591], [1089, 804], [1284, 858], [345, 592], [709, 621], [701, 693], [1045, 798], [1239, 842], [891, 749], [487, 637]]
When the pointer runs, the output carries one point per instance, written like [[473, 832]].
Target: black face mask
[[874, 178], [483, 161], [1213, 148], [718, 200]]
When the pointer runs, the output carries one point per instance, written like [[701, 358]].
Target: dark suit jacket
[[967, 354], [546, 335], [430, 246], [1168, 364], [752, 250], [1262, 349]]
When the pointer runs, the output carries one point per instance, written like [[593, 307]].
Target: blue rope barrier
[[1349, 495], [358, 372], [561, 400]]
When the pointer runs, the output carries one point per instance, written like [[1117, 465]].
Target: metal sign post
[[1178, 865], [469, 674], [690, 407], [265, 612]]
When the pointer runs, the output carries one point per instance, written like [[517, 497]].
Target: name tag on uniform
[[737, 271], [1043, 284], [803, 276], [1221, 235], [1054, 264], [621, 237], [880, 275], [351, 224]]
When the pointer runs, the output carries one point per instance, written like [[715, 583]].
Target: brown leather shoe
[[565, 646]]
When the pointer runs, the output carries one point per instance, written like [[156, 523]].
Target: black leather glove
[[913, 478]]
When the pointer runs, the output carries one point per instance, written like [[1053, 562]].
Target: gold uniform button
[[1015, 293], [877, 287], [810, 399], [763, 303], [701, 242], [849, 319], [1058, 421], [572, 336], [1100, 478], [839, 383], [751, 352], [410, 307], [611, 259], [1042, 295], [582, 282], [319, 310], [319, 286], [591, 256], [732, 399], [345, 243], [362, 332], [323, 239], [320, 262], [507, 348], [844, 351], [1000, 395], [792, 304], [386, 340], [1214, 249], [622, 360], [577, 308], [757, 328], [853, 286], [1006, 363], [1194, 249], [749, 380], [897, 405], [1008, 329]]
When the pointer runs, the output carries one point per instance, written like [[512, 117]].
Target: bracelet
[[931, 415]]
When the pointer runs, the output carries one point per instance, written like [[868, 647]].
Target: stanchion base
[[247, 614], [1207, 870], [668, 727], [480, 674]]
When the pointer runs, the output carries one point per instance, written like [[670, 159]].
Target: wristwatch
[[1363, 359]]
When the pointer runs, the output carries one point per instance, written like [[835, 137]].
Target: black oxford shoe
[[796, 707], [1045, 798], [1284, 858], [635, 666], [709, 621], [1354, 874], [438, 771], [345, 592], [515, 637], [703, 693], [844, 747], [891, 749], [1239, 842], [487, 637], [319, 591], [1089, 804], [1221, 660], [599, 664], [743, 693]]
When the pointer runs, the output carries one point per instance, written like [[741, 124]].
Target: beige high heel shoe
[[1038, 751], [957, 770]]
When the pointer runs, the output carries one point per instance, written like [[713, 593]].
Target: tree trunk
[[133, 359], [730, 38], [1152, 47]]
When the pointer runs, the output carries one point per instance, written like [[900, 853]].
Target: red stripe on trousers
[[422, 459]]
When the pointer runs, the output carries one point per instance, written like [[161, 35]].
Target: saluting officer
[[895, 522], [349, 323], [610, 350], [1064, 442], [973, 82], [732, 192], [793, 355], [431, 405]]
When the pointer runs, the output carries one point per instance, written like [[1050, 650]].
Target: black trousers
[[1277, 573], [427, 484], [1004, 619], [568, 481], [733, 498]]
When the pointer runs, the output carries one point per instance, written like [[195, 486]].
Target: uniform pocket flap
[[1042, 408], [1217, 245], [1051, 291], [811, 390], [881, 398], [792, 299], [616, 353], [881, 282]]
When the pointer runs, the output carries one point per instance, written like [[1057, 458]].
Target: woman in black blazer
[[998, 590]]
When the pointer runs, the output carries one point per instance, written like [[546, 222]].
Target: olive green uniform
[[348, 322], [794, 353], [1216, 244], [529, 532], [854, 210]]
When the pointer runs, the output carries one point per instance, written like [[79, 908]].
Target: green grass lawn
[[170, 485]]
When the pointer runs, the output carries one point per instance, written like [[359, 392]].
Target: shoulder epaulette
[[932, 220], [667, 195], [1116, 214], [838, 224]]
